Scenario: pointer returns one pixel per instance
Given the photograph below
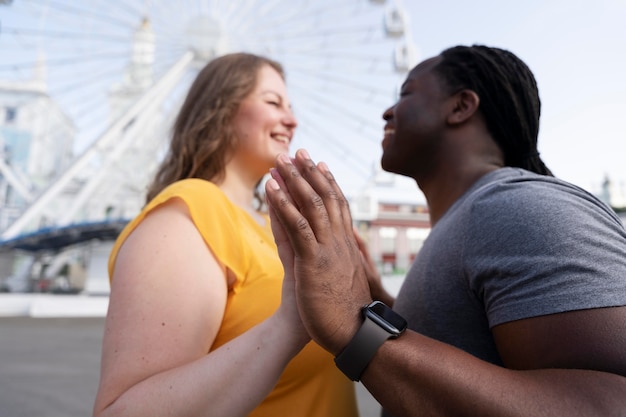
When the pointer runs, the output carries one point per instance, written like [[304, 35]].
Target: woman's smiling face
[[264, 123]]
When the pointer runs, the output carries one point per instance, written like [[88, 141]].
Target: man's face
[[415, 123]]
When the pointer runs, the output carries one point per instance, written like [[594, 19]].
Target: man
[[516, 304]]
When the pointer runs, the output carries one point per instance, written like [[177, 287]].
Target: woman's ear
[[464, 105]]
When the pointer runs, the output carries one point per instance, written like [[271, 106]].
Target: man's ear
[[464, 105]]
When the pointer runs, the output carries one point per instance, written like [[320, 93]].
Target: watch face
[[386, 317]]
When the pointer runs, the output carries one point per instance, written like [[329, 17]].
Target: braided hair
[[509, 99]]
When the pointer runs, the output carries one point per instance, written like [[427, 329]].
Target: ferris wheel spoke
[[62, 35], [68, 9], [314, 18], [268, 8], [127, 7], [327, 110], [349, 86], [236, 8], [329, 37], [69, 61]]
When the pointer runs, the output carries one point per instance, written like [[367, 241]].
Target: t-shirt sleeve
[[217, 220], [213, 214], [544, 248]]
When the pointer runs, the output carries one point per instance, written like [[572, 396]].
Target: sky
[[577, 51]]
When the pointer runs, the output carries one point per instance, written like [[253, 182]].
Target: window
[[416, 237], [388, 239], [10, 114]]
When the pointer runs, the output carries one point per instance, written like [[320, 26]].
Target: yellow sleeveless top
[[311, 385]]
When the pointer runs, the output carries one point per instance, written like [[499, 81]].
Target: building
[[36, 146], [392, 217], [82, 198], [613, 193], [36, 143]]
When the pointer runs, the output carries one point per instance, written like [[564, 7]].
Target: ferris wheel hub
[[206, 37]]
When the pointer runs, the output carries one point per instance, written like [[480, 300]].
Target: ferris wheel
[[117, 70]]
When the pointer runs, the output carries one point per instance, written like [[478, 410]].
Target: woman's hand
[[288, 308]]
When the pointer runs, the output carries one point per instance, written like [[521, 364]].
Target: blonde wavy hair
[[202, 136]]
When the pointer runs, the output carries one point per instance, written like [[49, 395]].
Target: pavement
[[50, 348], [50, 367]]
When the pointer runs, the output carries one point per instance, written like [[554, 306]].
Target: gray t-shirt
[[516, 245]]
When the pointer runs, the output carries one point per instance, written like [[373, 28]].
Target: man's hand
[[313, 213]]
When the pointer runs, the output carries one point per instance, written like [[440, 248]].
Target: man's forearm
[[415, 375]]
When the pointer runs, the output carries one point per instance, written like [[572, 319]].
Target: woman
[[195, 323]]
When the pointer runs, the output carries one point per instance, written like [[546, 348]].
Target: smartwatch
[[381, 323]]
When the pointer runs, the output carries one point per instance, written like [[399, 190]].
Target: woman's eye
[[274, 103]]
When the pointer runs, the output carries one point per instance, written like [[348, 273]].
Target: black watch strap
[[355, 357]]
